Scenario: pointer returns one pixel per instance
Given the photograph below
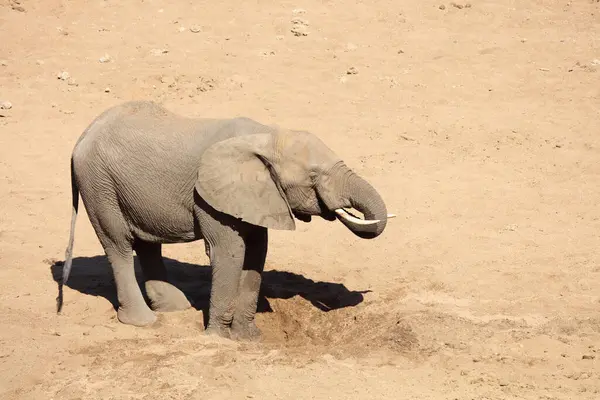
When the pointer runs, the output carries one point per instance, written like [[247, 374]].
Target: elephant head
[[267, 179]]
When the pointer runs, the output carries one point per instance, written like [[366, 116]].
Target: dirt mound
[[295, 323]]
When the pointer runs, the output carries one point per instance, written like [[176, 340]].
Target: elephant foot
[[165, 297], [139, 316], [221, 331], [246, 331]]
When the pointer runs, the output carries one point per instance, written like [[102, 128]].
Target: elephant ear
[[235, 178]]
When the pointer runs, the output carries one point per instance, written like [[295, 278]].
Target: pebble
[[63, 76], [107, 90], [4, 63], [158, 52], [18, 7], [588, 357], [195, 29], [105, 58], [39, 62], [298, 11], [299, 31], [167, 80], [299, 27], [5, 105], [352, 71], [442, 7]]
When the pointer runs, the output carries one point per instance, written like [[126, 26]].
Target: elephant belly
[[161, 221]]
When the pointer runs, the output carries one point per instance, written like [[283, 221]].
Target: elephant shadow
[[93, 276]]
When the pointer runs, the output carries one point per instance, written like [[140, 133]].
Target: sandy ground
[[479, 125]]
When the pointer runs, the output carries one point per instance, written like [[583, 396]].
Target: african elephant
[[148, 176]]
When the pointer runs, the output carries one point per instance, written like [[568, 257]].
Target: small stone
[[299, 31], [468, 5], [456, 5], [195, 29], [4, 63], [588, 357], [595, 61], [5, 105], [400, 51], [167, 80], [63, 76], [352, 71], [158, 52], [442, 7], [502, 383], [105, 58], [181, 29], [39, 62], [107, 90], [298, 11], [299, 27], [279, 37]]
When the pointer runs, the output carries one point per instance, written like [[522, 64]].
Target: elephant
[[149, 177]]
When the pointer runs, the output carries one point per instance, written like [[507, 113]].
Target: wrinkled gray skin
[[148, 177]]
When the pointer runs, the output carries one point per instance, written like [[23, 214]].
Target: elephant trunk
[[360, 195], [364, 198]]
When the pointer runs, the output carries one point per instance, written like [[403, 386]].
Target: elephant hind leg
[[115, 237], [133, 309], [163, 296]]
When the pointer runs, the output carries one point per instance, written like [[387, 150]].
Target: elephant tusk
[[345, 215]]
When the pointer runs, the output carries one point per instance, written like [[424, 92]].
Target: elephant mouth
[[327, 215], [302, 216]]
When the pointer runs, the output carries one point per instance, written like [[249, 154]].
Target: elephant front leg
[[244, 325], [226, 258]]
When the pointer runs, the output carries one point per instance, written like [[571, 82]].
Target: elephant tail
[[69, 253]]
